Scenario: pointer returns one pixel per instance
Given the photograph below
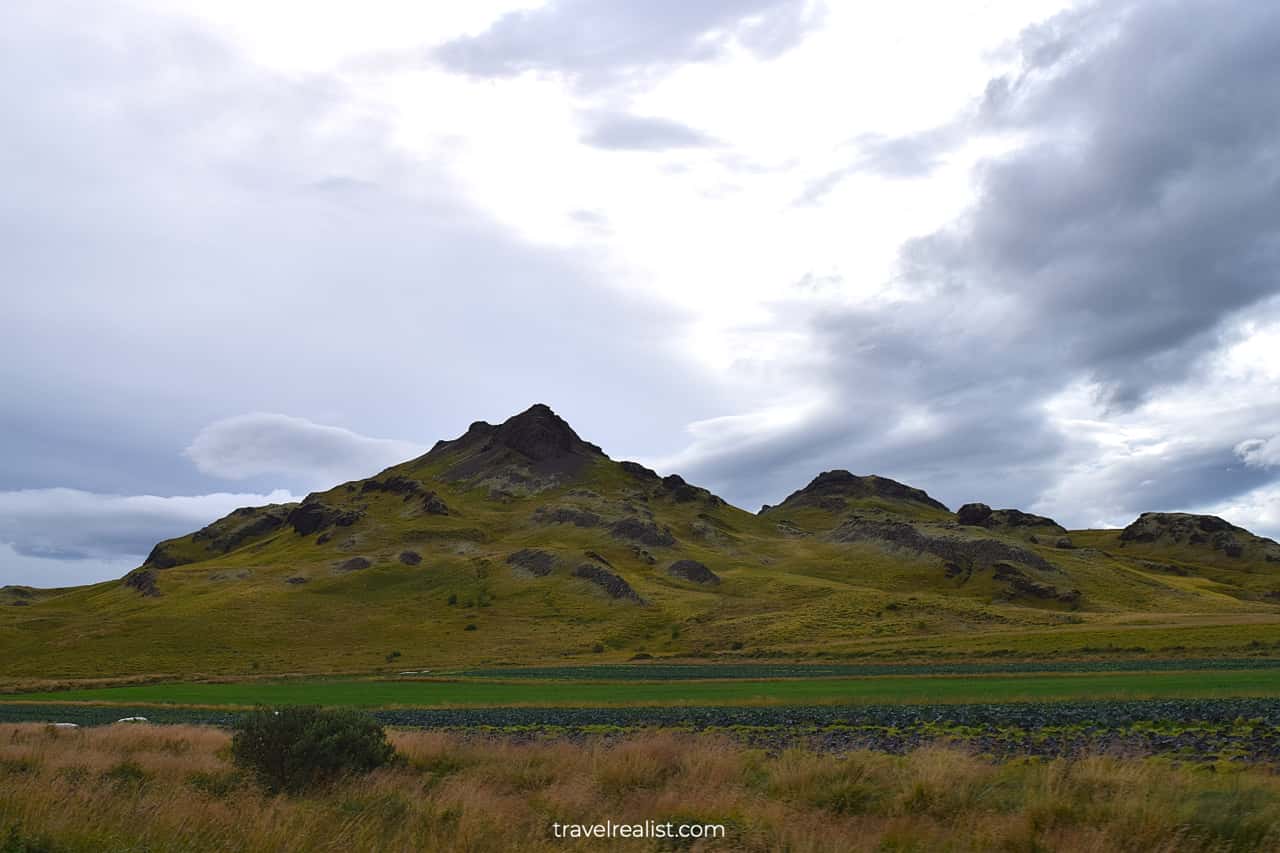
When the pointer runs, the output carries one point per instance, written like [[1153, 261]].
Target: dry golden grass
[[159, 788]]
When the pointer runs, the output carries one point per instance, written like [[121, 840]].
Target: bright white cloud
[[1260, 452], [262, 443]]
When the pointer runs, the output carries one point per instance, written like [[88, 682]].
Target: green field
[[880, 689]]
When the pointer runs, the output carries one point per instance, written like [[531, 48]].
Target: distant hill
[[521, 542]]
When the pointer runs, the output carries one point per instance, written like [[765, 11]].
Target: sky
[[1024, 253]]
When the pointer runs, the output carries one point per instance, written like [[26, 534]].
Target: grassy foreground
[[880, 689], [171, 788]]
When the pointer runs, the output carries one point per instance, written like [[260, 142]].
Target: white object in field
[[132, 720], [66, 725]]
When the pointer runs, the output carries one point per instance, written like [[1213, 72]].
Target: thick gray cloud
[[1137, 221], [72, 524], [627, 132], [185, 238], [605, 42]]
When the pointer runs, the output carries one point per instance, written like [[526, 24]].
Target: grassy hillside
[[522, 543]]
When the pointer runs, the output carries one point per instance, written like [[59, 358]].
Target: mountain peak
[[830, 488], [540, 434]]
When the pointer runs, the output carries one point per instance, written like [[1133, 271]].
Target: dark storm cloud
[[603, 42], [1139, 217], [1145, 209], [626, 132]]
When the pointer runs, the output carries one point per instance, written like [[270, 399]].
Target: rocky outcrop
[[241, 525], [410, 558], [981, 515], [162, 558], [410, 489], [613, 584], [312, 516], [831, 489], [635, 469], [692, 570], [1207, 531], [354, 564], [142, 581], [531, 560], [643, 532], [952, 549], [567, 515], [1021, 584]]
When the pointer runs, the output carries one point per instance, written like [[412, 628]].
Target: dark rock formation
[[973, 514], [161, 558], [355, 564], [610, 582], [692, 570], [1064, 542], [644, 532], [962, 552], [567, 515], [143, 581], [981, 515], [395, 484], [410, 558], [241, 525], [1021, 584], [840, 484], [596, 556], [533, 561], [410, 489], [635, 469], [530, 451], [312, 516], [539, 434], [1182, 528], [295, 580]]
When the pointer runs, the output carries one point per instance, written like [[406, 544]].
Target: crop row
[[685, 672], [1237, 730], [1025, 716]]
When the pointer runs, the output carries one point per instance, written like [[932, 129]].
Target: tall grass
[[158, 788]]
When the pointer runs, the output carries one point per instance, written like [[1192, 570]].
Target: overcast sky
[[1026, 253]]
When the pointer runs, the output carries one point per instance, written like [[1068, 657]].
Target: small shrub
[[453, 599], [470, 626], [598, 648], [293, 749], [392, 656]]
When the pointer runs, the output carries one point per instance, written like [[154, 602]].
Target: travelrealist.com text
[[648, 829]]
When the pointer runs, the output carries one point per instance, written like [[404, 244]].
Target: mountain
[[521, 542]]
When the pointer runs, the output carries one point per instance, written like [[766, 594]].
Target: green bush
[[293, 749]]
